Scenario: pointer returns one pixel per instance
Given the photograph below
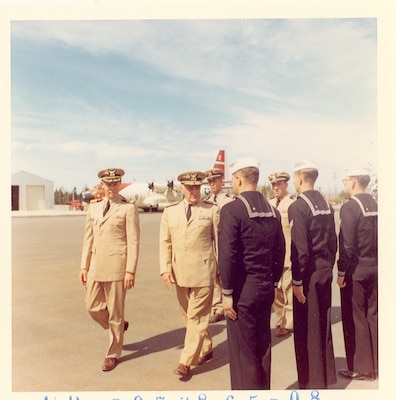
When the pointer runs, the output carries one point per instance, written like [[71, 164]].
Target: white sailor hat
[[357, 171], [306, 164], [246, 162]]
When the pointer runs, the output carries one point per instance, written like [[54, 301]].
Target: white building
[[31, 192]]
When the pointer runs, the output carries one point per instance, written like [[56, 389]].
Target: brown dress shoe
[[282, 332], [203, 359], [182, 370], [216, 317], [126, 325], [109, 364]]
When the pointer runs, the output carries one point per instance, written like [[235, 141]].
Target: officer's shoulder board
[[230, 195], [292, 197], [205, 198], [96, 200], [173, 204], [126, 201], [210, 202]]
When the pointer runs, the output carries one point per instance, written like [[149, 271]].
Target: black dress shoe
[[126, 325], [203, 359], [182, 370], [109, 364], [355, 375]]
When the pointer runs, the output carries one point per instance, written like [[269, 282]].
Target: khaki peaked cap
[[191, 178], [278, 176], [111, 174], [214, 173]]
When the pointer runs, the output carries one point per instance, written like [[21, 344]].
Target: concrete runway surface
[[57, 347]]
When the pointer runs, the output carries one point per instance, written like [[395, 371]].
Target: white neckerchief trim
[[255, 214], [311, 206], [364, 212]]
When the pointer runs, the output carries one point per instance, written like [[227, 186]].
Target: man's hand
[[341, 281], [167, 278], [228, 304], [299, 293], [83, 276], [129, 280]]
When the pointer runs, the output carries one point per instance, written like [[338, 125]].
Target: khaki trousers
[[195, 305], [217, 303], [105, 302], [283, 303]]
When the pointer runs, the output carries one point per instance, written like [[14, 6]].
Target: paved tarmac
[[57, 347]]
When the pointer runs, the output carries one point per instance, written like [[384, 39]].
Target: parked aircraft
[[97, 192], [143, 194], [151, 196], [148, 196]]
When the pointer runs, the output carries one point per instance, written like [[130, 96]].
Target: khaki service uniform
[[283, 303], [217, 304], [188, 252], [110, 249]]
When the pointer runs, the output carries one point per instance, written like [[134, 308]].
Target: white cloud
[[226, 53], [280, 90]]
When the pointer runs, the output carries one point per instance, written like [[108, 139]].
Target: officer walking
[[188, 248], [109, 260]]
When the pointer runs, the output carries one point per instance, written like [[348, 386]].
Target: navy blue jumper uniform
[[314, 246], [251, 255], [358, 262]]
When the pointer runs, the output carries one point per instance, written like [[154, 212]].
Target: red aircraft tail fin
[[220, 161]]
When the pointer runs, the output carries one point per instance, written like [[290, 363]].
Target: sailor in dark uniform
[[251, 255], [358, 277], [314, 246]]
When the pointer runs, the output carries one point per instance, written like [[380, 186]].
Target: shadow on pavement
[[166, 341], [342, 383]]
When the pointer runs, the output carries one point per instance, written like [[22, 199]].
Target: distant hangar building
[[31, 192]]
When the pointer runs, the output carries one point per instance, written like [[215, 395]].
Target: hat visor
[[279, 180], [112, 179], [192, 183]]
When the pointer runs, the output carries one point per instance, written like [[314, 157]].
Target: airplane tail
[[221, 162]]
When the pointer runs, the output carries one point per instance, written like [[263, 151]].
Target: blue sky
[[159, 97]]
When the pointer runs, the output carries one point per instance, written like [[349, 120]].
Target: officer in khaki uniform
[[214, 178], [109, 260], [188, 240], [283, 303]]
